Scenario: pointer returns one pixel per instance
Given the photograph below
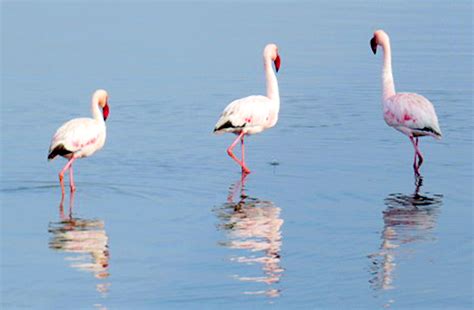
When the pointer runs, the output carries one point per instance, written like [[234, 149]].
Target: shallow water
[[330, 217]]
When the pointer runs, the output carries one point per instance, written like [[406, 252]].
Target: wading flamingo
[[80, 137], [410, 113], [253, 114]]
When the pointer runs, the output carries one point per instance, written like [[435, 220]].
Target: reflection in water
[[87, 241], [253, 226], [408, 219]]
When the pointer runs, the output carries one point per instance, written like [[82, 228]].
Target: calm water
[[161, 217]]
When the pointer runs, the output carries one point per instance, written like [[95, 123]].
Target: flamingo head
[[379, 38], [102, 99], [271, 51]]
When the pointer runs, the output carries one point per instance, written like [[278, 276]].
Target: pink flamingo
[[253, 114], [410, 113], [80, 137]]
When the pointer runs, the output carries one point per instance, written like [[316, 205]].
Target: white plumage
[[253, 114], [409, 113], [81, 137]]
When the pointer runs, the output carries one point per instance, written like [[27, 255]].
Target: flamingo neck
[[96, 112], [387, 76], [272, 83]]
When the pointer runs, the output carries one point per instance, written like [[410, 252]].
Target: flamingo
[[253, 114], [80, 137], [409, 113]]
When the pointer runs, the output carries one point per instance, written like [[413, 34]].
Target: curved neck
[[387, 76], [272, 83], [96, 113]]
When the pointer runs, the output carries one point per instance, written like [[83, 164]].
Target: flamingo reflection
[[87, 242], [408, 219], [254, 226]]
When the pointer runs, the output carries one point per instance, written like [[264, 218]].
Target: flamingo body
[[253, 114], [412, 114], [80, 137], [409, 113]]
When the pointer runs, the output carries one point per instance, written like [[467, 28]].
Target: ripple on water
[[253, 229], [86, 243], [409, 220]]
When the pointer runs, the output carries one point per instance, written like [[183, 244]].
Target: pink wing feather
[[412, 111], [248, 112], [76, 134]]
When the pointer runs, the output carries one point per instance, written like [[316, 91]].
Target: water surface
[[331, 216]]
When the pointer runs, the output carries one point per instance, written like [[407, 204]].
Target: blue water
[[329, 218]]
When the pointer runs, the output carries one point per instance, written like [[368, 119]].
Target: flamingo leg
[[243, 155], [416, 166], [420, 156], [61, 174], [71, 180], [231, 154]]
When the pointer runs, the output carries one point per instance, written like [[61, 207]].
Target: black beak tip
[[373, 45]]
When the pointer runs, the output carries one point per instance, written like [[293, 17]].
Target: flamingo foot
[[245, 170]]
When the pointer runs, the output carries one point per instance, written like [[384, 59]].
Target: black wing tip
[[433, 132], [229, 124], [429, 129], [58, 150], [53, 154]]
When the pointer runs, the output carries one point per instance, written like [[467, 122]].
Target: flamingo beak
[[277, 63], [373, 45], [105, 111]]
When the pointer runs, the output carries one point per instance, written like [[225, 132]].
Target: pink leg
[[231, 154], [420, 156], [61, 174], [416, 166], [71, 179], [246, 170]]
